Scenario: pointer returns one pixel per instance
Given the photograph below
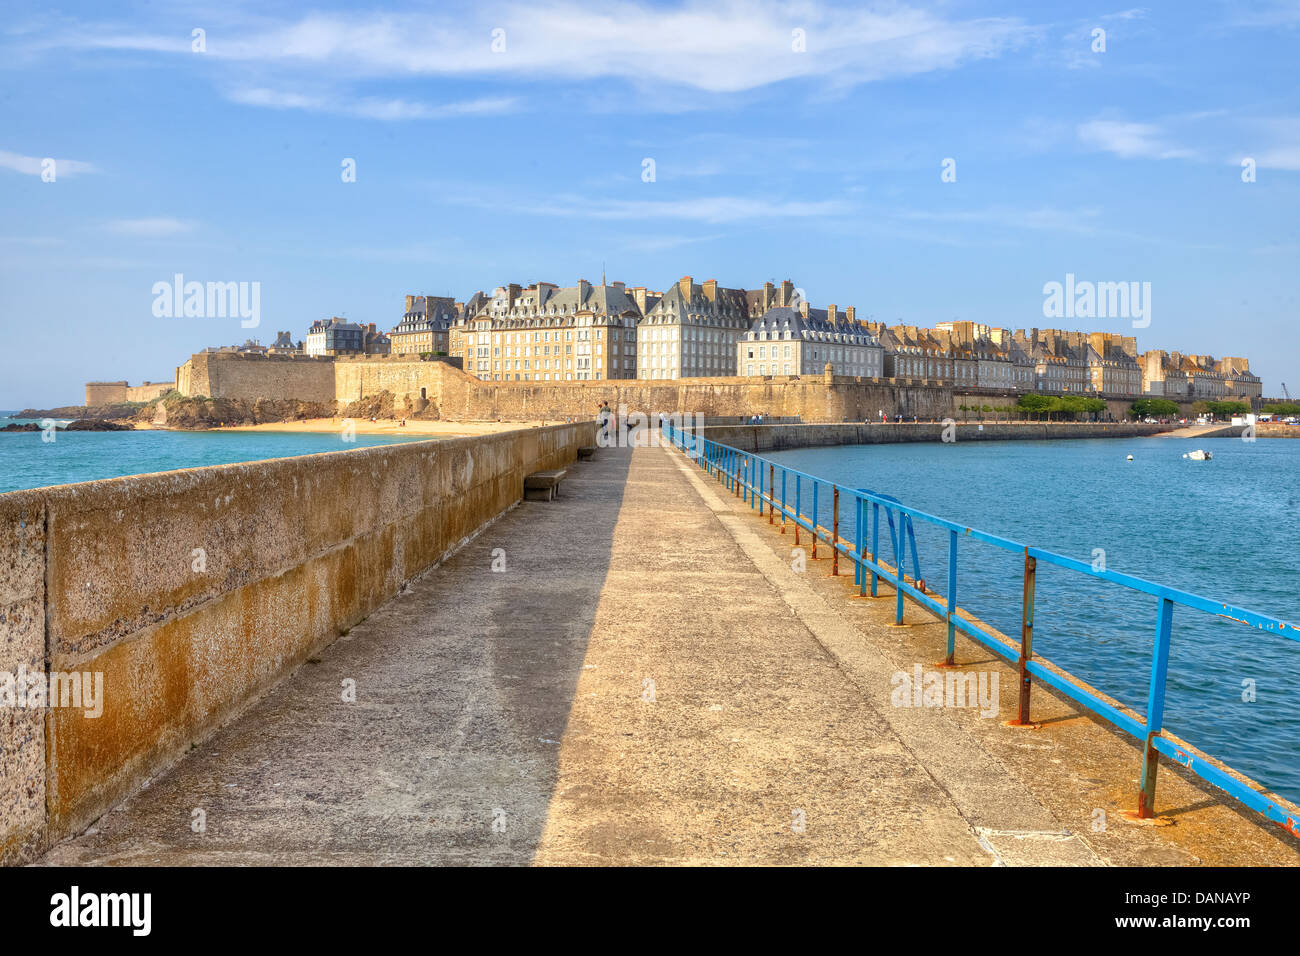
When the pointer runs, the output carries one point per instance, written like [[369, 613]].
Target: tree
[[1282, 408], [1227, 409], [1153, 407], [1033, 404]]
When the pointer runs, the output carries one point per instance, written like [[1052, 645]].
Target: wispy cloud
[[721, 48], [149, 228], [371, 107], [34, 165], [708, 209], [1130, 140], [651, 244]]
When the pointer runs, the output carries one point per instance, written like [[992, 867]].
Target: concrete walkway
[[646, 681]]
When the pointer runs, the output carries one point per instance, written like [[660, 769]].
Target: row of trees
[[1060, 407], [1164, 408], [1039, 407], [1281, 408]]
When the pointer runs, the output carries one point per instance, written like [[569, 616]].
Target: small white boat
[[1199, 455]]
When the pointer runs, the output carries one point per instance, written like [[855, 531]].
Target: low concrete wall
[[193, 591], [760, 438]]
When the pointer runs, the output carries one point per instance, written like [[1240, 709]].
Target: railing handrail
[[738, 467]]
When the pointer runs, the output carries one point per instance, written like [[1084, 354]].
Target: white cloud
[[371, 107], [31, 165], [725, 47], [710, 209], [1286, 157], [149, 228], [1130, 140]]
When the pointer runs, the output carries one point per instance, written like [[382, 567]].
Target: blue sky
[[477, 167]]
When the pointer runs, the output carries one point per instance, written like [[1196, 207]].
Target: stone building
[[804, 341], [285, 345], [426, 326], [692, 331], [1198, 377], [545, 333], [335, 337]]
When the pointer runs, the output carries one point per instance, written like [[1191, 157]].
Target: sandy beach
[[388, 426]]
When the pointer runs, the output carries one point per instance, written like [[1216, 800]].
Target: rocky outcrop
[[80, 425], [119, 411], [198, 414], [385, 405]]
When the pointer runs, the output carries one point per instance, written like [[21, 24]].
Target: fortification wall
[[461, 397], [250, 377], [404, 377], [105, 393], [108, 577], [148, 391]]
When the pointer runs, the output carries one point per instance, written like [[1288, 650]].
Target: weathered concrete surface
[[193, 591], [522, 697], [1022, 789], [1206, 431], [22, 649], [761, 438]]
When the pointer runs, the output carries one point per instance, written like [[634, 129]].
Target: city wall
[[461, 397], [115, 393], [250, 377], [193, 591]]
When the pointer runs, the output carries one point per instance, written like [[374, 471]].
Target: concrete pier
[[645, 679]]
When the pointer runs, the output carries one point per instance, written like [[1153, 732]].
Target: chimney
[[852, 313], [787, 292], [831, 312], [583, 288], [768, 296], [685, 283], [409, 300], [711, 289], [803, 308]]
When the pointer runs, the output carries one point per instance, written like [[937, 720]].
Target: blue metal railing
[[761, 483]]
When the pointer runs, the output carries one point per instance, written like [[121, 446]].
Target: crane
[[1285, 393]]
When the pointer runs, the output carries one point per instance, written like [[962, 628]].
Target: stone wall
[[148, 391], [108, 577], [105, 393], [404, 376], [761, 438], [462, 397], [250, 377]]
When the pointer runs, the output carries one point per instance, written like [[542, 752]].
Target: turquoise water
[[28, 462], [1225, 529]]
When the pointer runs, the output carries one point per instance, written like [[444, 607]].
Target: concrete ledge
[[760, 438], [193, 591]]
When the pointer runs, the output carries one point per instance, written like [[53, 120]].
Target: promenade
[[647, 681]]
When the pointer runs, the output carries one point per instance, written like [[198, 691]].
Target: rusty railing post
[[798, 506], [1026, 637], [771, 492], [835, 532], [1155, 708], [783, 509], [815, 518]]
